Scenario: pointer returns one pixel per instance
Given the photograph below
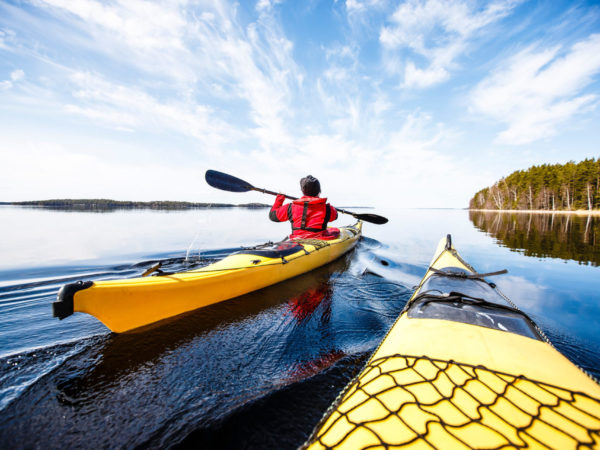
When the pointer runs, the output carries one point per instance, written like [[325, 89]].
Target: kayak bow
[[462, 367], [126, 304]]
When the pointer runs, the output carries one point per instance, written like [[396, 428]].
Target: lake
[[257, 371]]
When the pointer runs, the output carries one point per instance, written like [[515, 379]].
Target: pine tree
[[549, 187]]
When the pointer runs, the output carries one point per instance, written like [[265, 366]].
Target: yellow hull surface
[[126, 304], [463, 368]]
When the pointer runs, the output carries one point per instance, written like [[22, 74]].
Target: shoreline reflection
[[564, 236]]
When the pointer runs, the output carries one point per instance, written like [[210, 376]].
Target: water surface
[[257, 371], [555, 235]]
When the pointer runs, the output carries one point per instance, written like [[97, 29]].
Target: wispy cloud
[[538, 89], [339, 90], [359, 6], [149, 34], [438, 31], [6, 36], [192, 56], [269, 87], [346, 132], [124, 107], [15, 76]]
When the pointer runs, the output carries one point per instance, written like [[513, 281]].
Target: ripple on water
[[225, 376]]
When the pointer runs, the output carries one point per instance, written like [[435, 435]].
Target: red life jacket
[[309, 217]]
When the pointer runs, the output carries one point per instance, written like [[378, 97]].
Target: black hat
[[310, 186]]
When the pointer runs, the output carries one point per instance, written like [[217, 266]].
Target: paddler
[[309, 215]]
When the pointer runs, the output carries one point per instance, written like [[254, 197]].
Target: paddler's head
[[310, 186]]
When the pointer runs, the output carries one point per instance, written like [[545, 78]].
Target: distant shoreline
[[579, 212], [107, 204]]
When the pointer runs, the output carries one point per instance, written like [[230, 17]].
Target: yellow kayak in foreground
[[462, 368], [126, 304]]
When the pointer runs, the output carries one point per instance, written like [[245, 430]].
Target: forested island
[[548, 187], [107, 205]]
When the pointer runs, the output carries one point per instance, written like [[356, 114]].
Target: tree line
[[571, 186]]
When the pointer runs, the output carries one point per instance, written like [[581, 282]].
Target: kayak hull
[[124, 305], [440, 383]]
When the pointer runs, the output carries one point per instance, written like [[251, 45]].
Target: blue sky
[[410, 104]]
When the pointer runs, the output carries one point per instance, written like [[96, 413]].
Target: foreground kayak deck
[[462, 367], [124, 305]]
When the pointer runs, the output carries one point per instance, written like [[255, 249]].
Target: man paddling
[[309, 215]]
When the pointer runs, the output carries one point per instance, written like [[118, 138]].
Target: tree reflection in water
[[564, 236]]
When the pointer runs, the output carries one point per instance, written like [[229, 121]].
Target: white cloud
[[361, 6], [424, 78], [439, 31], [350, 100], [536, 90], [221, 84], [377, 169], [400, 166], [262, 5], [142, 25], [15, 76], [6, 37], [182, 51], [123, 107]]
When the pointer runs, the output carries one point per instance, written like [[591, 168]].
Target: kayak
[[127, 304], [462, 367]]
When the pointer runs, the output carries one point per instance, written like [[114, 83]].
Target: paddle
[[230, 183]]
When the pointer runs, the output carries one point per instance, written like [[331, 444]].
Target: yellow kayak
[[463, 368], [126, 304]]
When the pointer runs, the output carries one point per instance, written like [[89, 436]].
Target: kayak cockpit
[[458, 295], [271, 250], [458, 307]]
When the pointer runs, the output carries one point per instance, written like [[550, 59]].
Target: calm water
[[257, 371], [544, 235]]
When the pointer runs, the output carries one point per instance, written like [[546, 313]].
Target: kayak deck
[[481, 376], [126, 304]]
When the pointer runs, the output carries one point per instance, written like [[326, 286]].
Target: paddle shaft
[[230, 183]]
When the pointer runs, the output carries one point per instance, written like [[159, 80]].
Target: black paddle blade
[[226, 182], [371, 218]]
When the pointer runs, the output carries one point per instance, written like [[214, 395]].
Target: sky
[[416, 103]]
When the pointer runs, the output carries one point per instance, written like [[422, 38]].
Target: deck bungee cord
[[484, 389]]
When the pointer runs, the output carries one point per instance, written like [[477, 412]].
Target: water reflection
[[253, 372], [304, 305], [124, 354], [564, 236], [192, 371]]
